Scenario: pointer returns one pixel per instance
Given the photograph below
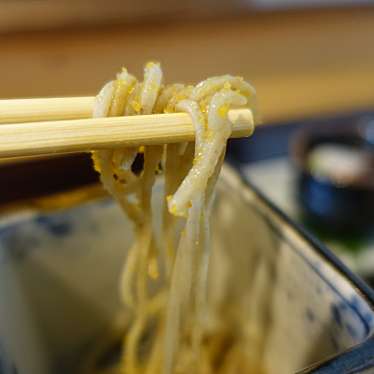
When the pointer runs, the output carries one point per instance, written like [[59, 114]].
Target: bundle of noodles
[[186, 336]]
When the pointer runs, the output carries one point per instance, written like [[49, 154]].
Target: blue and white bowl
[[59, 275]]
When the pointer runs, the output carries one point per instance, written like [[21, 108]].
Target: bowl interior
[[59, 275]]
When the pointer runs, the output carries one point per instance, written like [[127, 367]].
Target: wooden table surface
[[302, 63]]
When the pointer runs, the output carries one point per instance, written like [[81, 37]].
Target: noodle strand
[[164, 282]]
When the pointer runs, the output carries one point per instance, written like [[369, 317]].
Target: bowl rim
[[358, 357], [356, 281]]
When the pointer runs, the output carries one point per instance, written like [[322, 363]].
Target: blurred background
[[311, 61]]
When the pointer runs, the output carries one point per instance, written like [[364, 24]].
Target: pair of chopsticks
[[34, 127]]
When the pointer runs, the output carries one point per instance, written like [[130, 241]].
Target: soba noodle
[[164, 284]]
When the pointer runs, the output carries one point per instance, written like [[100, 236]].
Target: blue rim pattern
[[361, 356]]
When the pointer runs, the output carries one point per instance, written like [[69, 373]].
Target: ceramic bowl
[[340, 206], [59, 275]]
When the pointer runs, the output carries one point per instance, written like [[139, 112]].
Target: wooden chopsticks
[[45, 109], [65, 135]]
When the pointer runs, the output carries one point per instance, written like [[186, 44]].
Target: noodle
[[164, 284]]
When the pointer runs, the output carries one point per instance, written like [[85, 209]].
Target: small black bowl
[[335, 205]]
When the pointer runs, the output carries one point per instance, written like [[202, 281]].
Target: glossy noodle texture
[[173, 328]]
